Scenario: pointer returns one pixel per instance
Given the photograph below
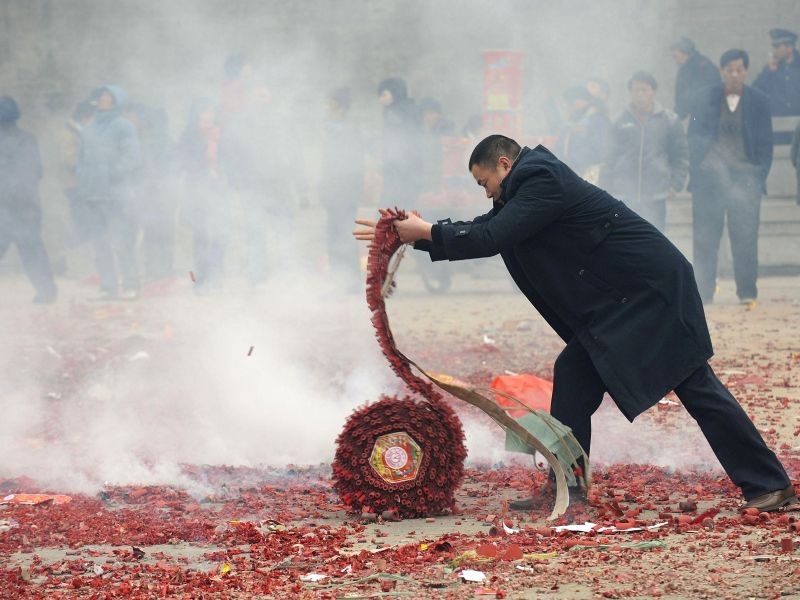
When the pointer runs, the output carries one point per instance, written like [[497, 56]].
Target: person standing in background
[[253, 157], [795, 158], [648, 158], [696, 72], [155, 199], [20, 210], [110, 159], [342, 187], [402, 136], [730, 154], [584, 137], [780, 78], [206, 209]]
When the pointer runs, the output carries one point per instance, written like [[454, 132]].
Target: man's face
[[105, 101], [680, 57], [430, 118], [733, 75], [491, 178], [782, 51], [385, 98], [643, 97]]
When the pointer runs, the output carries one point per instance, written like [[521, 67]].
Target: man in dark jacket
[[402, 134], [619, 294], [20, 212], [695, 73], [730, 154], [109, 159], [648, 158], [780, 78]]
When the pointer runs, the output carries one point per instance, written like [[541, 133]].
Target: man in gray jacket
[[648, 157]]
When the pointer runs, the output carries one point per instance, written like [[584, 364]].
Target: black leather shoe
[[772, 501]]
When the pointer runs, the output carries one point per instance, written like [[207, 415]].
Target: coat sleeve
[[536, 204], [436, 250], [678, 150]]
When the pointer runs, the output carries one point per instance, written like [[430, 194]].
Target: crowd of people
[[233, 152]]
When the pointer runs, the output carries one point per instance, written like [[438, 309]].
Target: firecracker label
[[396, 457]]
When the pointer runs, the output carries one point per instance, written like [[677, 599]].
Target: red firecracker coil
[[405, 455]]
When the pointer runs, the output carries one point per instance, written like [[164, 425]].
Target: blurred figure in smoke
[[795, 158], [473, 128], [110, 159], [156, 204], [402, 135], [253, 157], [695, 73], [584, 137], [80, 214], [20, 211], [600, 91], [342, 189], [435, 127], [205, 208], [648, 158], [730, 154], [233, 94]]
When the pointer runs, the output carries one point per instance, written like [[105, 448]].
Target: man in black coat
[[619, 294], [20, 211], [695, 73], [730, 154]]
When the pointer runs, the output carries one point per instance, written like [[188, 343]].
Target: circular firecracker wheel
[[398, 454]]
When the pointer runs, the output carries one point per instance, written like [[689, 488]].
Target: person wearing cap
[[695, 73], [20, 211], [780, 78], [584, 137], [648, 159], [730, 155]]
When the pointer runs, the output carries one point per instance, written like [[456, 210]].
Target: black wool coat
[[595, 270]]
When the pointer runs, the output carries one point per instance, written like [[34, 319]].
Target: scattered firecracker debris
[[243, 532]]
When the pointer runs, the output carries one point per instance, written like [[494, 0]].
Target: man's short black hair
[[490, 149], [734, 54], [643, 77]]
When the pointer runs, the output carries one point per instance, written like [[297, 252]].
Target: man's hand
[[413, 228], [368, 233]]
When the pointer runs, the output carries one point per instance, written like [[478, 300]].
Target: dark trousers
[[24, 232], [715, 196], [113, 232], [751, 465]]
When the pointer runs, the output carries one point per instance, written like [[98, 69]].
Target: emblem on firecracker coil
[[396, 457]]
